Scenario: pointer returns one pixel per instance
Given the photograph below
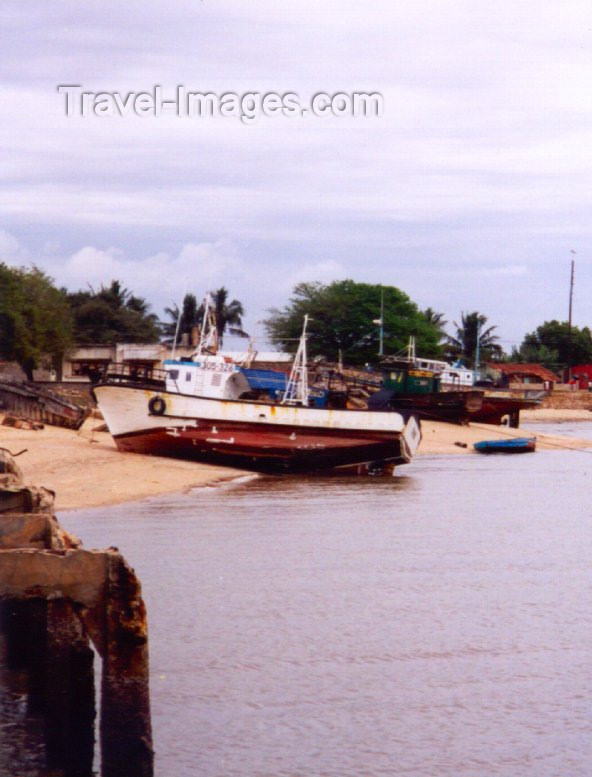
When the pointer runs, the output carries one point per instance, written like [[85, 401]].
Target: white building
[[90, 360]]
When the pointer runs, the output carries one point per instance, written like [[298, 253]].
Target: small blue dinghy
[[509, 445]]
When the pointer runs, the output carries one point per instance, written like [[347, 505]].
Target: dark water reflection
[[436, 623]]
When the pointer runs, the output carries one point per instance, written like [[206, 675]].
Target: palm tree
[[190, 317], [116, 295], [471, 328], [228, 314], [112, 314], [437, 321]]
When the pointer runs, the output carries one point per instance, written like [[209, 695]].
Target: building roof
[[523, 368]]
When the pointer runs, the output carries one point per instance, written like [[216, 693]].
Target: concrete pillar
[[35, 613], [126, 731], [69, 692], [22, 624], [63, 596]]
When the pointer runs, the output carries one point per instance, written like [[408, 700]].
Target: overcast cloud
[[468, 193]]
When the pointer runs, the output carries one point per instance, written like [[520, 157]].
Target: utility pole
[[571, 286]]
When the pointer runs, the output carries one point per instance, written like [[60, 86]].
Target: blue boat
[[509, 445]]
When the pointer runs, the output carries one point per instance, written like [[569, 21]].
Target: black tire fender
[[157, 406]]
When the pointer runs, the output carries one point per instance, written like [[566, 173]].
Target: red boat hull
[[278, 450]]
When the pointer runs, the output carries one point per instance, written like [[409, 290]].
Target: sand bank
[[555, 415], [451, 439], [86, 470]]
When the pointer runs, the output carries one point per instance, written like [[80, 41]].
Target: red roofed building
[[532, 374], [582, 374]]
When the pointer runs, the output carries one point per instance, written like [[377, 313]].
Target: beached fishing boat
[[509, 445], [495, 405], [203, 409], [407, 383], [436, 391]]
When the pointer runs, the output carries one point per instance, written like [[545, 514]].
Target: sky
[[470, 191]]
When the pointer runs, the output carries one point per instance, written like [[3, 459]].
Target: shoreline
[[555, 415], [85, 469]]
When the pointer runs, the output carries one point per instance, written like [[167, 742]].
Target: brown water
[[436, 623]]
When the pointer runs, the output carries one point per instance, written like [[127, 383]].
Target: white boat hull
[[255, 435]]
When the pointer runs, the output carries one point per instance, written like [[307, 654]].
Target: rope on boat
[[14, 455]]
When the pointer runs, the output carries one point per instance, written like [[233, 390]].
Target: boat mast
[[208, 333], [297, 388], [177, 332], [477, 348]]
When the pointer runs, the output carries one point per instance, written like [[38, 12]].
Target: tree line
[[342, 313], [348, 321], [41, 322]]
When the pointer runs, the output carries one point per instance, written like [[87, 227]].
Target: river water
[[434, 623]]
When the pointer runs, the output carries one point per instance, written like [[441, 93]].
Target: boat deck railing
[[133, 374]]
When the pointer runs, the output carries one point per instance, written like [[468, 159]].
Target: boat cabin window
[[173, 374], [187, 376]]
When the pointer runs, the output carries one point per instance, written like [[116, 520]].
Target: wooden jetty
[[56, 598]]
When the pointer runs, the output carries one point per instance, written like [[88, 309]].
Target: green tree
[[229, 314], [35, 319], [464, 345], [537, 354], [437, 320], [190, 317], [342, 316], [556, 345], [113, 314]]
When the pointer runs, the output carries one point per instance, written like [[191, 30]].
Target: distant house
[[88, 361], [534, 376], [582, 375]]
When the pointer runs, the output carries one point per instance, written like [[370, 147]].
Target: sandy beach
[[85, 469], [441, 438]]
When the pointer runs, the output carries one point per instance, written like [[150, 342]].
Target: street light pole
[[380, 322]]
